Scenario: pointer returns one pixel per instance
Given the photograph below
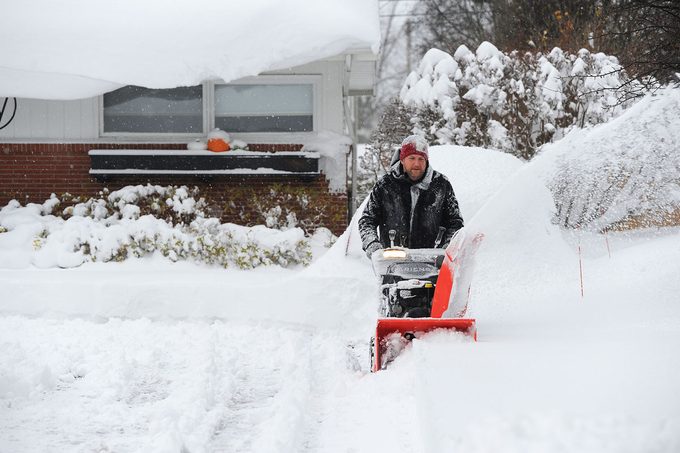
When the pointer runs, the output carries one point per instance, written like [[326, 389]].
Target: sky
[[578, 334]]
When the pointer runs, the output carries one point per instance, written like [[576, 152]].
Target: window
[[142, 110], [264, 108], [261, 106]]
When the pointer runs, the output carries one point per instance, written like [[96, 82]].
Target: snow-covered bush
[[622, 174], [515, 101], [140, 220], [171, 203], [287, 207]]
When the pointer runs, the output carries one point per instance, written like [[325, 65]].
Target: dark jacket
[[389, 208]]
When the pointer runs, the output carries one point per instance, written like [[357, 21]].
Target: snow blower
[[421, 290]]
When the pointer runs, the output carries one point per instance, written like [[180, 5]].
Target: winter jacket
[[415, 210]]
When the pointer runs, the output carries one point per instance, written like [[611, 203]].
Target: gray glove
[[372, 247]]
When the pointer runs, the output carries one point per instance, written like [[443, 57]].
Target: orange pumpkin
[[218, 145]]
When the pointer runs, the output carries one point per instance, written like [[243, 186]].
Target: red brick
[[33, 171]]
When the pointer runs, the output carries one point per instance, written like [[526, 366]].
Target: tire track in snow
[[152, 386], [270, 382]]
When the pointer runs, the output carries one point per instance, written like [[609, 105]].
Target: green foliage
[[39, 240], [175, 205], [287, 207]]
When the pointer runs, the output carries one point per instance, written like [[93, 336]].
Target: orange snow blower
[[422, 290]]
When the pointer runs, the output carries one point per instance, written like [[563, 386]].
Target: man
[[413, 200]]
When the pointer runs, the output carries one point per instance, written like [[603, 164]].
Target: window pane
[[264, 108], [137, 109]]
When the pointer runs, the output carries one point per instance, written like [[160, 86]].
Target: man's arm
[[369, 221], [451, 217]]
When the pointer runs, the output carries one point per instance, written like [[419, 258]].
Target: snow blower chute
[[422, 290]]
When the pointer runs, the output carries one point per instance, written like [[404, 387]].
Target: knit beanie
[[413, 144]]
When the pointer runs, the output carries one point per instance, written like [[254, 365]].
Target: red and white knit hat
[[413, 144]]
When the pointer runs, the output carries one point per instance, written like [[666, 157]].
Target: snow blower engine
[[409, 278]]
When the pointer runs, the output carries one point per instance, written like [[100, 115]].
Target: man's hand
[[372, 247]]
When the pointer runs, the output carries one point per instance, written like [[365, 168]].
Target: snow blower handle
[[392, 234], [440, 236]]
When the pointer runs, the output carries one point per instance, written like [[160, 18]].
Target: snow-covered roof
[[79, 48]]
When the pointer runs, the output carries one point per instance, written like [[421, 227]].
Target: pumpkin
[[218, 145]]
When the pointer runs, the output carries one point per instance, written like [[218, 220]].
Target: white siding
[[42, 120], [78, 120]]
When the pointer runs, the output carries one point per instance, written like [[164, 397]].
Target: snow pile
[[197, 145], [113, 229], [460, 164], [333, 148], [625, 172], [84, 49], [511, 102]]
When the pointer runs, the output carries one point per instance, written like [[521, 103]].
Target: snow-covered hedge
[[174, 204], [623, 174], [140, 220], [511, 101]]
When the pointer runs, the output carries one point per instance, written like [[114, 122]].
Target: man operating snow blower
[[414, 201], [411, 216]]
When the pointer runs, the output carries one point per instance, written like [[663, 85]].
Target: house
[[120, 119]]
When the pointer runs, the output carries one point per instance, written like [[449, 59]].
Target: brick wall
[[29, 173]]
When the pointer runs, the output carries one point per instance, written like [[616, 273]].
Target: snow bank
[[475, 173], [627, 170]]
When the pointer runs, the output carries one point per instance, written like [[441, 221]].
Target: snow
[[150, 355], [557, 92], [629, 166], [219, 133], [234, 171], [76, 49], [181, 152], [333, 149]]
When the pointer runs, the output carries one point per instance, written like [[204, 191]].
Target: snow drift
[[77, 49], [624, 171]]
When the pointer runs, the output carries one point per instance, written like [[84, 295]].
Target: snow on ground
[[148, 355]]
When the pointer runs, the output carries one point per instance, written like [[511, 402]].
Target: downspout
[[355, 156], [351, 110]]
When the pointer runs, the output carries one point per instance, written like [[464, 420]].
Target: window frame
[[208, 93]]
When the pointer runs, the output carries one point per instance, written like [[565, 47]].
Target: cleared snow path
[[141, 385]]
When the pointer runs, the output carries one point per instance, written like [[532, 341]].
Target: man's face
[[414, 166]]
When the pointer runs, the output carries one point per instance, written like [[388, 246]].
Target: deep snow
[[148, 355], [77, 49]]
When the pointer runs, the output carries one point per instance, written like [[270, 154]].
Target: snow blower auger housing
[[417, 292]]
